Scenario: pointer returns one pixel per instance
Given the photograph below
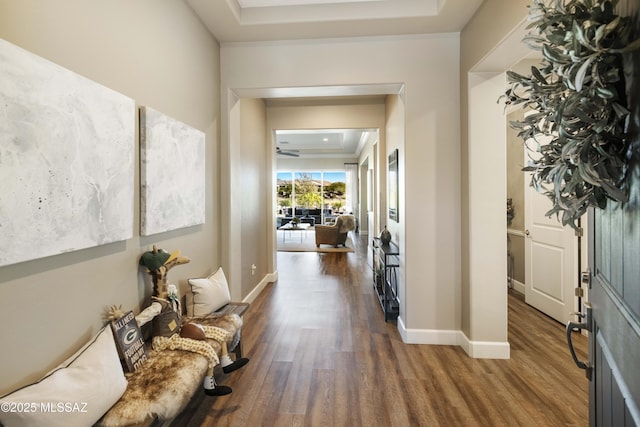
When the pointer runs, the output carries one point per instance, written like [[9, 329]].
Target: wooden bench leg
[[238, 350]]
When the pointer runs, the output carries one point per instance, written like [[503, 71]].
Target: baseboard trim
[[427, 336], [517, 286], [486, 349], [268, 278], [475, 349]]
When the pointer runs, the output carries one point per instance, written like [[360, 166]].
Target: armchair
[[335, 234]]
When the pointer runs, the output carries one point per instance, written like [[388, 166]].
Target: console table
[[385, 263]]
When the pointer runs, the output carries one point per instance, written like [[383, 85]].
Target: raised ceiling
[[261, 20], [270, 20], [321, 143], [275, 3]]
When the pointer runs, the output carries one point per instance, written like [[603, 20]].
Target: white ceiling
[[275, 3], [268, 20], [321, 143], [260, 20]]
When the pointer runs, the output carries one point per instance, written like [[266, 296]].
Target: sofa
[[287, 220], [305, 214]]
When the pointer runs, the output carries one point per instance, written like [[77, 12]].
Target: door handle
[[527, 233], [574, 326]]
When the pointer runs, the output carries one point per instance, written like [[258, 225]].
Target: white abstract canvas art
[[172, 170], [67, 159]]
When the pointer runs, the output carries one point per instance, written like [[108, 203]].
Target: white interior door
[[551, 259]]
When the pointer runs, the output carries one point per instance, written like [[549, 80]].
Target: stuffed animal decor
[[169, 331], [158, 263]]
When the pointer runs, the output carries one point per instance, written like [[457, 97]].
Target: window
[[318, 195]]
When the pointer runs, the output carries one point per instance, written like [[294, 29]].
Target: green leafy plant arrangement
[[575, 132]]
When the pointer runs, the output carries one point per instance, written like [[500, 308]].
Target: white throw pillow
[[207, 295], [76, 393]]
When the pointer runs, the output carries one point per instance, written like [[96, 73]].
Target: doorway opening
[[324, 172], [545, 256]]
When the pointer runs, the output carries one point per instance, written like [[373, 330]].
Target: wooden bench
[[177, 357], [238, 308]]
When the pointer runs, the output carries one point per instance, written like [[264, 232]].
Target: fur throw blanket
[[347, 223], [166, 382]]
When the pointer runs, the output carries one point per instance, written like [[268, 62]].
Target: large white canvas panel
[[172, 166], [67, 150]]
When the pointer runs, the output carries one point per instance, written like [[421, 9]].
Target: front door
[[614, 341], [614, 258]]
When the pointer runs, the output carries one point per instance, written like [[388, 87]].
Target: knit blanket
[[163, 386]]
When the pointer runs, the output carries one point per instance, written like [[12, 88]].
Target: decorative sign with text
[[129, 341]]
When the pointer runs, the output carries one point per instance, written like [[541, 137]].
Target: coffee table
[[293, 227]]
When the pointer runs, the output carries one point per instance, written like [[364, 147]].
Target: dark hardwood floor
[[321, 355]]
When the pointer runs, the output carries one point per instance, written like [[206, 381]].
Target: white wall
[[370, 197], [256, 198], [143, 49], [395, 140], [515, 191], [489, 46], [487, 231], [427, 67]]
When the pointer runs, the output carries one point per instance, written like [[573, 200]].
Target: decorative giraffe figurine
[[159, 274], [188, 336]]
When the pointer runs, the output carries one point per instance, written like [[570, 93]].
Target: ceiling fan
[[292, 153]]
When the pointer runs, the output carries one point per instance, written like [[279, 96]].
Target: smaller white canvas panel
[[67, 150], [172, 169]]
